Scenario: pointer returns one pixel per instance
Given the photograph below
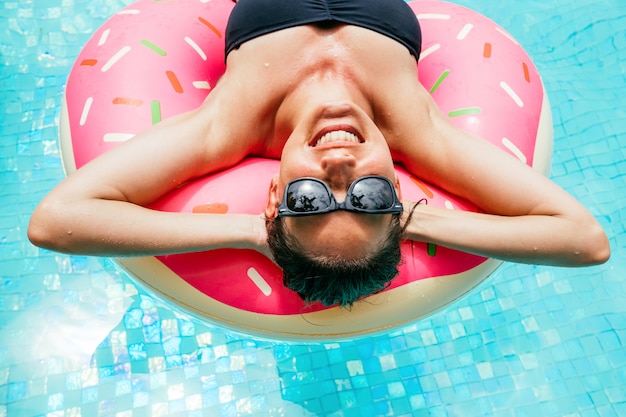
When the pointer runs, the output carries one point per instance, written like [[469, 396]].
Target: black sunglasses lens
[[307, 196], [372, 194]]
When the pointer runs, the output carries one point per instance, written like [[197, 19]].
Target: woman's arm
[[98, 210], [529, 218]]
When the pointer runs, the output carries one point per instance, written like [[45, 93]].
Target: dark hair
[[334, 280]]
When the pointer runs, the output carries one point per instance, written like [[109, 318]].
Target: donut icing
[[153, 60]]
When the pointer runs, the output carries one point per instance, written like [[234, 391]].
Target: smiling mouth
[[337, 136]]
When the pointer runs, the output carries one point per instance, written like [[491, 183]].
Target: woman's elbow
[[43, 228], [597, 248]]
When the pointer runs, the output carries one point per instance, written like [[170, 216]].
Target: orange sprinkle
[[88, 62], [174, 81], [213, 208], [128, 101], [210, 26], [526, 72], [487, 50], [423, 187]]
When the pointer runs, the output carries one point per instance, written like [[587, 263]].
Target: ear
[[397, 185], [273, 199]]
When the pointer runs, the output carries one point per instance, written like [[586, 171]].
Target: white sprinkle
[[512, 93], [429, 50], [129, 11], [514, 149], [85, 113], [104, 37], [117, 137], [115, 58], [463, 33], [201, 85], [254, 275], [448, 205], [195, 47], [507, 35], [438, 16]]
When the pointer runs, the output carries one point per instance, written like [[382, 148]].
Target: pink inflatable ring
[[153, 60]]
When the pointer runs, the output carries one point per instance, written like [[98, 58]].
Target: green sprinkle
[[463, 112], [156, 111], [439, 81], [431, 248], [153, 47]]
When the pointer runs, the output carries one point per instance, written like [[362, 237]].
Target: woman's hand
[[258, 235]]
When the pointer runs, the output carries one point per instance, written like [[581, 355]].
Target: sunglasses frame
[[285, 211]]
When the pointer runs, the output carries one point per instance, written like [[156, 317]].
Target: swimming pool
[[79, 338]]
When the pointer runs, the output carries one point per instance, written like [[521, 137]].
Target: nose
[[338, 166]]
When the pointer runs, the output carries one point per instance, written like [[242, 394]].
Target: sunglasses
[[370, 194]]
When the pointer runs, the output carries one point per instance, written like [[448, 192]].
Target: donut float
[[153, 60]]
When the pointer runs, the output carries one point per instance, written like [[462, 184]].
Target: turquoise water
[[80, 338]]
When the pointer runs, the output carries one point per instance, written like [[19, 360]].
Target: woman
[[333, 92]]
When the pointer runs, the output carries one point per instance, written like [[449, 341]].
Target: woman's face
[[336, 141]]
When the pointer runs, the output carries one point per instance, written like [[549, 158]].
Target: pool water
[[78, 337]]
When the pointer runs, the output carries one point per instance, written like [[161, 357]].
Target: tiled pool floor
[[80, 338]]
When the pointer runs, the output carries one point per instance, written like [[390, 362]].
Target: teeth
[[338, 136]]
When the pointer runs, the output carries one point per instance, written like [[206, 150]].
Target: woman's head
[[340, 256]]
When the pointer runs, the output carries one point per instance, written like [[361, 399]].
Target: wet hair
[[334, 280]]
